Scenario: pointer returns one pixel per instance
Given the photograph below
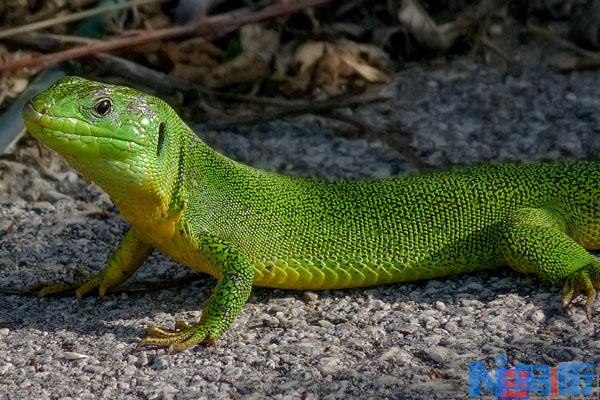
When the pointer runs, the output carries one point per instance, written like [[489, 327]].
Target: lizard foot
[[585, 281], [45, 289], [181, 338], [81, 286]]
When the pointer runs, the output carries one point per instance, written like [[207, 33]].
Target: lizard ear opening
[[161, 138]]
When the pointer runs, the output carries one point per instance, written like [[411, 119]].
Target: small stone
[[212, 374], [329, 365], [307, 346], [376, 304], [391, 354], [310, 296], [440, 354], [326, 324], [232, 372], [4, 332], [159, 363], [71, 356], [390, 380], [94, 369], [451, 327], [431, 323], [471, 303], [5, 368], [378, 315], [440, 306], [538, 316]]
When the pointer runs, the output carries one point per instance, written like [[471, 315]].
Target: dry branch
[[63, 19], [214, 26]]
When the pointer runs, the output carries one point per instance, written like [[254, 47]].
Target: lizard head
[[114, 135]]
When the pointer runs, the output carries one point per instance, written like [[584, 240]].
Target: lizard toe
[[89, 285], [583, 282], [177, 340], [45, 289]]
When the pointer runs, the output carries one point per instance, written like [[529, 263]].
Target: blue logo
[[523, 381]]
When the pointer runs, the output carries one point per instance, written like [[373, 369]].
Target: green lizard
[[248, 227]]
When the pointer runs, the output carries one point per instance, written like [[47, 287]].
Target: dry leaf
[[437, 37], [309, 54], [253, 63], [370, 74], [193, 59], [330, 69]]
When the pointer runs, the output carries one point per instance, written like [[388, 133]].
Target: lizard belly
[[319, 274]]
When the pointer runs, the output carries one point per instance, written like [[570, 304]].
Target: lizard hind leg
[[536, 240]]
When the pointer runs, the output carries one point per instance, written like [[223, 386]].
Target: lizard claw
[[81, 285], [45, 289], [583, 282], [181, 338]]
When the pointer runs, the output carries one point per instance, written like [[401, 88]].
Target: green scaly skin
[[250, 227]]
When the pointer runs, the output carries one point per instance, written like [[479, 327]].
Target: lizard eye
[[103, 107]]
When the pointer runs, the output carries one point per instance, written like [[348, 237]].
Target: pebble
[[538, 316], [233, 372], [440, 354], [329, 365], [68, 355], [310, 296], [326, 324], [4, 368]]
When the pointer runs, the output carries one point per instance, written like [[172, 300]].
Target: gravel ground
[[401, 341]]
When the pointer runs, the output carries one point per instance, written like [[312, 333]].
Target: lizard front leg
[[126, 259], [223, 306]]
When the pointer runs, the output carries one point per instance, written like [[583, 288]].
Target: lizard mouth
[[31, 114], [41, 125]]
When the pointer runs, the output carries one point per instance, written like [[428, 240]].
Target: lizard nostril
[[44, 111]]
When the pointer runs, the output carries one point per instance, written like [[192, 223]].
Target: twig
[[587, 59], [397, 138], [57, 7], [560, 42], [141, 74], [304, 107], [49, 41], [63, 19], [214, 26], [577, 64], [485, 41], [162, 82]]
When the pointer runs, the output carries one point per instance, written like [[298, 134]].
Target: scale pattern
[[249, 227]]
